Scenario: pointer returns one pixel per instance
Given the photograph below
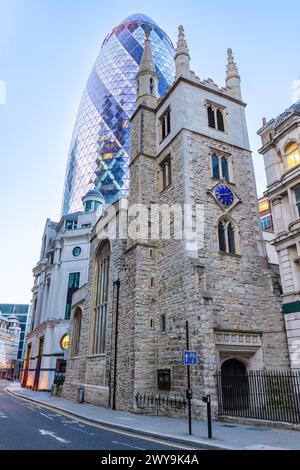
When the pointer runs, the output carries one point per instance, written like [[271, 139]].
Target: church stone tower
[[191, 148], [190, 158]]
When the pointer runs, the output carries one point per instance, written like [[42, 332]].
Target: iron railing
[[266, 395], [160, 404]]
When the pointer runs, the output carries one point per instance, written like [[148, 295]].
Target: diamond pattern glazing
[[99, 152]]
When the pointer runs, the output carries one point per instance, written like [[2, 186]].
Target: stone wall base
[[93, 394], [260, 422]]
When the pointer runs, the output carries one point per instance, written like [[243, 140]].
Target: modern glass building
[[100, 146], [21, 311]]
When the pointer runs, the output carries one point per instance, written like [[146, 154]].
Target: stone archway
[[233, 367]]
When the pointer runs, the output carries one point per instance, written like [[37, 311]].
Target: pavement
[[226, 436]]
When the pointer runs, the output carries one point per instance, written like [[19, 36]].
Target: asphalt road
[[26, 426]]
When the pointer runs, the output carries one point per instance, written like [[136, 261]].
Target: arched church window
[[101, 289], [292, 154], [227, 236]]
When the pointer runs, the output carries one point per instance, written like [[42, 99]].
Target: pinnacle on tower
[[147, 79], [233, 79], [147, 62], [232, 70], [182, 56]]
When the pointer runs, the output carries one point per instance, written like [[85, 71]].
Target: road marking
[[127, 445], [148, 438], [46, 416], [68, 421], [80, 430], [53, 434]]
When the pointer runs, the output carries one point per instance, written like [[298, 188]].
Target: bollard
[[207, 400]]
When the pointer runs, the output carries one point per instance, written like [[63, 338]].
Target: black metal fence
[[267, 395], [160, 404]]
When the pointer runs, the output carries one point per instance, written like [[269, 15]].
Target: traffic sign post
[[189, 358]]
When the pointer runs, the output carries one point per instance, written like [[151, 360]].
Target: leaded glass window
[[215, 166], [101, 300], [227, 236], [225, 172]]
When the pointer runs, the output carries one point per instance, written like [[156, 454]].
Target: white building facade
[[281, 150], [60, 271]]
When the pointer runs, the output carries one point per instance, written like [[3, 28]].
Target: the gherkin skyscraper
[[100, 146]]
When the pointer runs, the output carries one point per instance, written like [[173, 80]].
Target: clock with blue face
[[224, 195]]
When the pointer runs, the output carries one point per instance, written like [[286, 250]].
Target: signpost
[[189, 359]]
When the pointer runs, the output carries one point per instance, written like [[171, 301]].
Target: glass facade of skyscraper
[[21, 311], [100, 146]]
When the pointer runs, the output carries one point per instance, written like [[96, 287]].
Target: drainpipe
[[117, 283]]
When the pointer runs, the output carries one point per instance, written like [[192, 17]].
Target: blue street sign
[[190, 358]]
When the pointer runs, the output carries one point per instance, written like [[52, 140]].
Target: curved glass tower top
[[99, 152]]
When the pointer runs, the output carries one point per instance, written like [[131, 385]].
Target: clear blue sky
[[47, 48]]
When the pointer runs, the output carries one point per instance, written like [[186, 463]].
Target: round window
[[76, 251], [64, 342]]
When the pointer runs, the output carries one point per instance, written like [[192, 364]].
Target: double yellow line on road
[[101, 426]]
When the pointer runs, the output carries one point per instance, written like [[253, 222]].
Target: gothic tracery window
[[220, 167], [101, 286], [216, 117], [227, 236]]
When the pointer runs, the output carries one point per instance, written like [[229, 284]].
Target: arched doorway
[[233, 367], [235, 389]]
